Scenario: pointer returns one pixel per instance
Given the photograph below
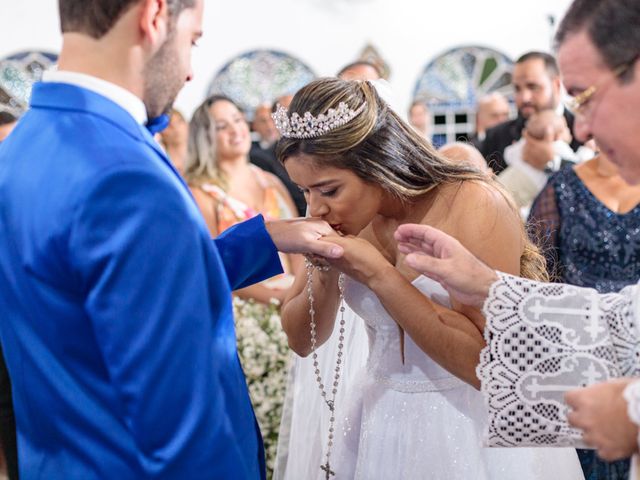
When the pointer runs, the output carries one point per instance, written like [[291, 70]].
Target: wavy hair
[[201, 165], [381, 149]]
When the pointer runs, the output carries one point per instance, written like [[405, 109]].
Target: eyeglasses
[[582, 105]]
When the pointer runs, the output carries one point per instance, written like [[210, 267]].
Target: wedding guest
[[264, 127], [227, 187], [492, 109], [420, 118], [536, 82], [524, 180], [360, 70], [464, 153], [174, 139], [7, 123]]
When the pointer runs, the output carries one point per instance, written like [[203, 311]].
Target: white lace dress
[[414, 420]]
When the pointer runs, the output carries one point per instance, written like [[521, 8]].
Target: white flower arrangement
[[264, 355]]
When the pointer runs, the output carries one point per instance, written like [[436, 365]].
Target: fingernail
[[336, 252]]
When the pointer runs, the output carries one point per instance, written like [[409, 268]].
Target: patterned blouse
[[585, 243], [230, 210]]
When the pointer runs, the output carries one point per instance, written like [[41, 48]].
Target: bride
[[414, 411]]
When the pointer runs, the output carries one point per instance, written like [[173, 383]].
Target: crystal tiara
[[309, 126]]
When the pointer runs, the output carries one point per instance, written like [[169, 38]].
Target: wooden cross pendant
[[327, 469]]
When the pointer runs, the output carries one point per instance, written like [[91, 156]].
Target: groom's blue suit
[[115, 305]]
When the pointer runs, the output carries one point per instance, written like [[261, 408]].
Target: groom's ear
[[154, 23]]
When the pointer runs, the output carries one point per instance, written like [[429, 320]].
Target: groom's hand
[[304, 235]]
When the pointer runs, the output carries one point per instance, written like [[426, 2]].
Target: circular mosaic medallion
[[458, 77], [18, 72], [260, 76]]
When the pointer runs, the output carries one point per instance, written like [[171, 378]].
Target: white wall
[[325, 34]]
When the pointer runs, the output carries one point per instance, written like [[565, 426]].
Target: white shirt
[[127, 100], [513, 157]]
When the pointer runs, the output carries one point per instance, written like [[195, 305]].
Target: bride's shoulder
[[481, 216], [477, 198]]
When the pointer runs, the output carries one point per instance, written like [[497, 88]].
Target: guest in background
[[226, 186], [587, 221], [524, 180], [360, 70], [492, 110], [264, 127], [7, 123], [174, 139], [464, 153], [263, 152], [536, 80], [420, 118]]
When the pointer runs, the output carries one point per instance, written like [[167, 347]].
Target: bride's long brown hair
[[380, 148]]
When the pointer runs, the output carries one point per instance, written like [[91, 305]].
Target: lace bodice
[[418, 373]]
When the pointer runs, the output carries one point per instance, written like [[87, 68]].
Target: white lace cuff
[[543, 340]]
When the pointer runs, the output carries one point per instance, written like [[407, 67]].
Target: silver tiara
[[309, 126]]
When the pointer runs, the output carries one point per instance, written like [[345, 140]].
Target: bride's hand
[[361, 260]]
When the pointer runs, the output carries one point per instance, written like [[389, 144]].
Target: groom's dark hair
[[96, 17]]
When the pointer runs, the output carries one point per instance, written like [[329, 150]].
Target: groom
[[115, 305]]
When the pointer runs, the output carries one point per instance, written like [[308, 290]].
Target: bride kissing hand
[[360, 260]]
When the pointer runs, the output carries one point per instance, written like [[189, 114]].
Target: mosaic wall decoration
[[452, 83], [18, 72], [260, 76]]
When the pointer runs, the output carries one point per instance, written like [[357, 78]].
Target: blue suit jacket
[[115, 305]]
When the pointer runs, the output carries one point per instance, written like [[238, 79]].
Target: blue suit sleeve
[[248, 253]]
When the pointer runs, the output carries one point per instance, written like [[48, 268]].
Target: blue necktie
[[157, 124]]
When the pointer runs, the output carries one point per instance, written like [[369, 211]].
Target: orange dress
[[230, 210]]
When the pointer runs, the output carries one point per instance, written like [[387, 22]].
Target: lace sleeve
[[546, 339]]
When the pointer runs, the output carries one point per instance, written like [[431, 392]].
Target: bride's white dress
[[414, 420]]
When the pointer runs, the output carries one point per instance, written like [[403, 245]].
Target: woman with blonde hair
[[229, 189], [414, 412]]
